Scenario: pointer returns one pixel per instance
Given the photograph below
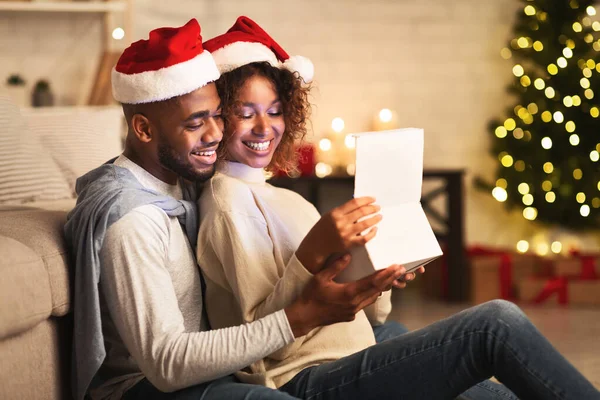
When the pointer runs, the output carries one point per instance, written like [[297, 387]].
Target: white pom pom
[[302, 65]]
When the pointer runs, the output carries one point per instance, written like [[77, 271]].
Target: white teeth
[[204, 153], [261, 146]]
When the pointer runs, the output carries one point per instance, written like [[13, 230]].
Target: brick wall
[[436, 63]]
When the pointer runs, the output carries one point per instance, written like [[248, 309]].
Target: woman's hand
[[338, 231]]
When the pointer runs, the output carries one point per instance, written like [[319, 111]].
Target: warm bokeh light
[[325, 144], [502, 183], [549, 92], [523, 188], [584, 210], [350, 141], [500, 194], [518, 70], [510, 124], [570, 126], [522, 246], [556, 247], [558, 117], [507, 161], [577, 174], [547, 186], [323, 169], [547, 143], [528, 199], [118, 33], [385, 115], [580, 197], [530, 213], [550, 197], [594, 155], [548, 167], [337, 124], [574, 139], [501, 132], [541, 249]]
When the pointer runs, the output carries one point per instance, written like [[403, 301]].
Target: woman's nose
[[262, 126]]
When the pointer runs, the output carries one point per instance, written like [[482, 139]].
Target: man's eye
[[194, 127]]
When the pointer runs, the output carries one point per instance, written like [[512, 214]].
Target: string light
[[548, 167], [530, 213], [590, 63], [541, 16], [556, 247], [507, 161], [595, 112], [506, 53], [522, 246], [552, 69], [500, 194], [510, 124], [562, 62], [596, 202], [528, 199], [323, 169], [576, 100], [550, 197], [578, 174], [520, 165], [585, 83], [558, 117], [547, 186], [584, 210], [587, 72], [337, 124], [501, 132], [567, 52], [118, 34], [532, 108], [518, 70], [523, 188], [568, 101], [594, 156], [549, 92], [590, 10], [546, 116], [525, 81], [577, 27], [523, 42], [539, 84], [502, 183], [538, 46], [547, 143], [580, 197], [518, 133], [350, 141], [570, 126], [588, 38], [351, 169], [529, 10], [385, 115], [596, 26], [574, 139], [541, 249], [589, 94], [325, 144]]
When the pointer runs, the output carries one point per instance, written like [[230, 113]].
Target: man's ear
[[141, 128]]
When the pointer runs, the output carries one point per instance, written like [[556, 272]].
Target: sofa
[[42, 151]]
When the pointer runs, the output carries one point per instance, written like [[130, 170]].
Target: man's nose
[[214, 133]]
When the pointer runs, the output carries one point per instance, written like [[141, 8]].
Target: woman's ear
[[141, 128]]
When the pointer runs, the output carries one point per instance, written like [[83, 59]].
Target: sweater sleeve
[[378, 312], [141, 300], [244, 248]]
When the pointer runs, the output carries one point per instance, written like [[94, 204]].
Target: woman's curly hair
[[293, 94]]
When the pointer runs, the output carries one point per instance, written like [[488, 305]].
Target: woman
[[253, 253]]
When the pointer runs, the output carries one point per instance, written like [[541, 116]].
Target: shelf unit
[[65, 6], [111, 48]]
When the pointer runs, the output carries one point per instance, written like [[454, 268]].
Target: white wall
[[436, 63]]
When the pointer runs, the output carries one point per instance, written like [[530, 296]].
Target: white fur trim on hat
[[165, 83], [236, 54], [302, 65]]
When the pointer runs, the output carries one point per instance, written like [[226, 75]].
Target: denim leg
[[389, 330], [445, 359], [224, 388], [486, 390]]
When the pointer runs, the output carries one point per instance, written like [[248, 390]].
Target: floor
[[574, 332]]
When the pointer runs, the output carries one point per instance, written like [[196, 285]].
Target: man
[[139, 327]]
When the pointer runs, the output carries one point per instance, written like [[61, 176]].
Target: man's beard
[[171, 160]]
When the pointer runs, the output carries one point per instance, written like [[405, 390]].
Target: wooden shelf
[[64, 6]]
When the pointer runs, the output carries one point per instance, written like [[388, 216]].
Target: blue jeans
[[486, 390], [223, 388], [445, 359]]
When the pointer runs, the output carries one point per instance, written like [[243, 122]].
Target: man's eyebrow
[[201, 114]]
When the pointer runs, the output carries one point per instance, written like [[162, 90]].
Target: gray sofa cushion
[[42, 232]]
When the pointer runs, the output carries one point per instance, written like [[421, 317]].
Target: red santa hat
[[246, 42], [171, 63]]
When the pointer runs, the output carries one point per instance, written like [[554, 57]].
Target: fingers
[[355, 203], [357, 228], [337, 266], [362, 212]]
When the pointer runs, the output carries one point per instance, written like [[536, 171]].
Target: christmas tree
[[548, 144]]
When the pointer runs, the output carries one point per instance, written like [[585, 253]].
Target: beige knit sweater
[[248, 236]]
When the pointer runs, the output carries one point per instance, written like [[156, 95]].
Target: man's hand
[[337, 231], [325, 302]]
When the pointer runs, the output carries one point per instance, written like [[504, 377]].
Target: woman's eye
[[275, 113]]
